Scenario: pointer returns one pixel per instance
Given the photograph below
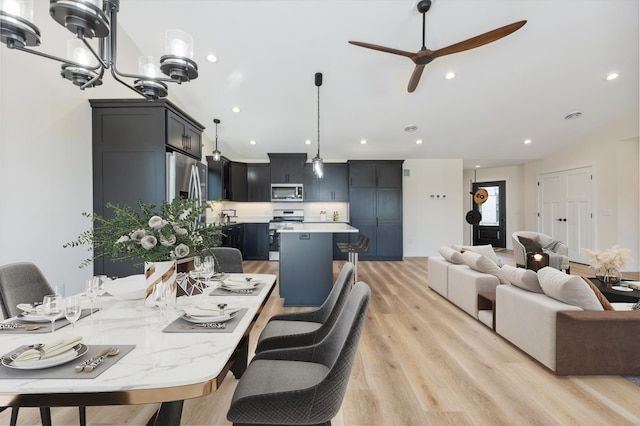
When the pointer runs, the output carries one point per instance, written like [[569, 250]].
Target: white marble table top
[[159, 360]]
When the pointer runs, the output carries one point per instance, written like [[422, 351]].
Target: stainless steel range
[[282, 218]]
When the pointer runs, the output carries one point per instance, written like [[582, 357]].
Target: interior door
[[564, 209], [492, 228]]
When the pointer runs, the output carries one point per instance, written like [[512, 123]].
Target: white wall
[[429, 223]]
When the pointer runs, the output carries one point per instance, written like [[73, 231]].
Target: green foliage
[[172, 233]]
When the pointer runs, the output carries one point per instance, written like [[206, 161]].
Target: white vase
[[161, 283]]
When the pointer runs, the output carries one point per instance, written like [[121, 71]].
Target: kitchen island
[[306, 262]]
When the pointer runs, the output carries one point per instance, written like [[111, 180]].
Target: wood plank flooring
[[421, 361]]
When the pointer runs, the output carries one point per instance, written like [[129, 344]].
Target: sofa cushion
[[526, 279], [451, 255], [603, 300], [570, 289], [485, 250], [481, 263], [530, 244]]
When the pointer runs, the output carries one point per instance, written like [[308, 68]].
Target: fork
[[204, 325]]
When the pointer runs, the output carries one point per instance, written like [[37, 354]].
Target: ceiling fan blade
[[479, 40], [383, 49], [415, 77]]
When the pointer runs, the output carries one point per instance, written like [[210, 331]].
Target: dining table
[[165, 359]]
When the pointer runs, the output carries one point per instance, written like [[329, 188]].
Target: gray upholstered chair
[[307, 328], [228, 259], [536, 242], [305, 385], [23, 282]]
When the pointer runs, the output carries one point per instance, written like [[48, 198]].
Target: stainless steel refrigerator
[[186, 178]]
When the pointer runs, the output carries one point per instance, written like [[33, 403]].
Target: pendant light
[[216, 153], [317, 161]]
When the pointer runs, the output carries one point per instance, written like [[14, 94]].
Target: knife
[[81, 367]]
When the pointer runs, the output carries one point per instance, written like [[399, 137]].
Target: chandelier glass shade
[[84, 65]]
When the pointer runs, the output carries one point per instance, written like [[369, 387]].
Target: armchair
[[559, 256]]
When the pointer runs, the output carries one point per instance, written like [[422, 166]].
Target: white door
[[564, 209]]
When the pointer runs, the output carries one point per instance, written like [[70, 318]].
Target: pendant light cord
[[318, 122]]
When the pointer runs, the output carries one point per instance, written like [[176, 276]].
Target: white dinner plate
[[620, 288], [38, 317], [214, 318], [238, 286], [73, 353]]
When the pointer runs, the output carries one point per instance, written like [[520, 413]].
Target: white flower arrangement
[[147, 235], [611, 258]]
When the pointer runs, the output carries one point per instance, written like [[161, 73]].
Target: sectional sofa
[[559, 320]]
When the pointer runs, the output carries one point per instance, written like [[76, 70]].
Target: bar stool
[[353, 249]]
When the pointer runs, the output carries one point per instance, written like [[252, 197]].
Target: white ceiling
[[517, 88]]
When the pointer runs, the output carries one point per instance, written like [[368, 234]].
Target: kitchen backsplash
[[263, 212]]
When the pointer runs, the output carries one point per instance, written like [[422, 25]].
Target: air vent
[[573, 115]]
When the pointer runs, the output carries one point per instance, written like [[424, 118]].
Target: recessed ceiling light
[[252, 142], [449, 75], [419, 142], [573, 115], [527, 141], [410, 129], [308, 142], [212, 58], [235, 109], [363, 142], [612, 76], [477, 166]]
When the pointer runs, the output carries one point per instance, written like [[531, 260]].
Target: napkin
[[210, 311], [51, 349], [235, 281], [29, 308]]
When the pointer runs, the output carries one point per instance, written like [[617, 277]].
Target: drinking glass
[[72, 310], [99, 282], [91, 292], [197, 263], [51, 308]]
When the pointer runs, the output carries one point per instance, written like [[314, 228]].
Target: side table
[[487, 309]]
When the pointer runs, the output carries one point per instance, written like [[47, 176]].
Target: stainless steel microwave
[[286, 192]]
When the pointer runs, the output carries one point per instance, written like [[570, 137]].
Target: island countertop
[[329, 227]]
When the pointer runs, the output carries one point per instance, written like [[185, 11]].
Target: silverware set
[[204, 325], [91, 364], [13, 326]]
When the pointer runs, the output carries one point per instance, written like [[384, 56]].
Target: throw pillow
[[530, 245], [570, 289], [485, 250], [603, 300], [451, 255], [526, 279], [483, 264]]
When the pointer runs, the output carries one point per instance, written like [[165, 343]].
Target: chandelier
[[88, 19]]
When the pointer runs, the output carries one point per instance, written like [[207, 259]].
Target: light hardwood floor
[[421, 361]]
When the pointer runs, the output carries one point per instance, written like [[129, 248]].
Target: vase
[[608, 275], [161, 281]]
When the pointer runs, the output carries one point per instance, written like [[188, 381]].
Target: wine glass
[[72, 310], [99, 282], [91, 292], [197, 263], [51, 308]]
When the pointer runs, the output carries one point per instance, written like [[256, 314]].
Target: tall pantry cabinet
[[130, 141], [375, 196]]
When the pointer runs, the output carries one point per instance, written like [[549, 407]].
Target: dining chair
[[23, 282], [228, 259], [304, 385], [307, 328]]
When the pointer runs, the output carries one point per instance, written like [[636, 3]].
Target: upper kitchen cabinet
[[287, 168], [129, 144], [184, 135], [258, 182], [218, 178], [333, 186], [381, 174], [238, 182]]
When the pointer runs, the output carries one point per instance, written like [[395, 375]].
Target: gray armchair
[[537, 242], [306, 385], [307, 328]]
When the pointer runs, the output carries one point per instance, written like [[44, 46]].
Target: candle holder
[[537, 260]]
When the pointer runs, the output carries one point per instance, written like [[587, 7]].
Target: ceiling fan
[[424, 55]]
